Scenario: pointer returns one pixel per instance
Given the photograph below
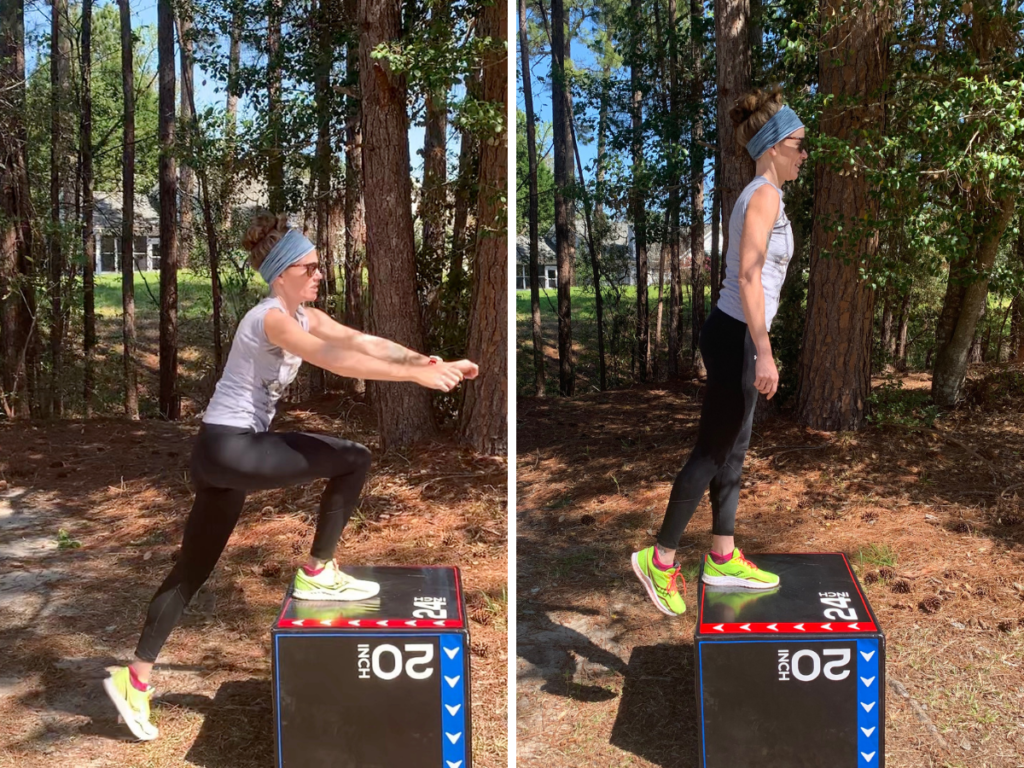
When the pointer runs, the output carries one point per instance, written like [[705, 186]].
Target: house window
[[108, 254], [139, 246], [552, 273], [522, 277]]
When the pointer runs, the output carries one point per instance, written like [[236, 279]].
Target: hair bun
[[263, 226], [755, 101]]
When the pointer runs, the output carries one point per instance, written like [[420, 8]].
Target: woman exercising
[[236, 452], [738, 356]]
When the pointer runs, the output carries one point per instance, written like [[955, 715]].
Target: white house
[[107, 232]]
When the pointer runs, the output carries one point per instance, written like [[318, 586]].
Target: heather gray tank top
[[256, 374], [780, 251]]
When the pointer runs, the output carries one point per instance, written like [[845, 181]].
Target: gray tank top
[[256, 374], [780, 251]]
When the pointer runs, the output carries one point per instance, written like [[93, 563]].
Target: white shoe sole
[[137, 727], [733, 581], [325, 594], [649, 586]]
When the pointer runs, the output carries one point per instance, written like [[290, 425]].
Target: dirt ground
[[91, 514], [933, 520]]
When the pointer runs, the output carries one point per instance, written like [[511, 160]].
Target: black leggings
[[726, 418], [226, 463]]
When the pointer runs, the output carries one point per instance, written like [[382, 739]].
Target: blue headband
[[783, 123], [289, 249]]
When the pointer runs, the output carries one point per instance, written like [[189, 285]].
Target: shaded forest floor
[[932, 518], [91, 515]]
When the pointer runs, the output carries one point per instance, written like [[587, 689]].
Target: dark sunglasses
[[310, 268], [802, 144]]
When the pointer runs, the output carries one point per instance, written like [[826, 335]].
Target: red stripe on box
[[343, 623], [778, 628]]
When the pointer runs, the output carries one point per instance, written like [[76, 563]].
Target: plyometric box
[[793, 676], [381, 683]]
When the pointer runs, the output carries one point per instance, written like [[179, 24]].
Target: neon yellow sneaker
[[132, 704], [662, 586], [332, 584], [738, 572]]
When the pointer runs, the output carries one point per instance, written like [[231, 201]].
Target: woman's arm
[[325, 327], [285, 332], [762, 211]]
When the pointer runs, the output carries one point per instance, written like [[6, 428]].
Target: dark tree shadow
[[657, 717]]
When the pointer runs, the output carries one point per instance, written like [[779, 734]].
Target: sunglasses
[[311, 269], [802, 144]]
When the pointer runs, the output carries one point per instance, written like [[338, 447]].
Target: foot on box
[[332, 584], [737, 572]]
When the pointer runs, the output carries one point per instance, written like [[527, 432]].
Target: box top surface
[[817, 595], [420, 597]]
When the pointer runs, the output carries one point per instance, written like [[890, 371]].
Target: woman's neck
[[289, 306], [767, 169]]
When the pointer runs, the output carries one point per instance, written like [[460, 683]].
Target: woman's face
[[300, 281], [790, 154]]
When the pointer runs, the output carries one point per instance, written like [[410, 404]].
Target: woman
[[738, 356], [236, 453]]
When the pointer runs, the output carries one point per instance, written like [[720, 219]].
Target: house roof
[[109, 209]]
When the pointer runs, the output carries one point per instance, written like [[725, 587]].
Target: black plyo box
[[793, 676], [378, 683]]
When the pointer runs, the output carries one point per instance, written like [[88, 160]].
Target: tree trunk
[[17, 300], [434, 196], [484, 424], [355, 213], [887, 339], [672, 210], [275, 156], [901, 333], [88, 234], [563, 238], [131, 380], [231, 115], [170, 405], [533, 214], [600, 223], [638, 210], [1017, 323], [465, 192], [717, 262], [732, 49], [403, 412], [835, 372], [697, 185], [60, 52], [953, 347], [186, 176], [324, 161]]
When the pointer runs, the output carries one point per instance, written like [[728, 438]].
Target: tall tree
[[564, 243], [672, 211], [717, 260], [534, 212], [131, 384], [170, 404], [434, 200], [88, 233], [403, 412], [17, 299], [60, 144], [697, 181], [835, 365], [735, 169], [355, 212], [465, 189], [275, 154], [186, 176], [483, 419], [637, 204]]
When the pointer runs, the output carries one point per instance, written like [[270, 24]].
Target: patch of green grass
[[891, 404], [877, 554], [571, 563], [64, 540], [496, 606]]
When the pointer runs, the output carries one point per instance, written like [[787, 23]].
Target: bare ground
[[120, 490], [605, 679]]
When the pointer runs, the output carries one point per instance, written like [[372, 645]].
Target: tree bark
[[355, 212], [901, 333], [169, 404], [17, 299], [672, 210], [564, 245], [434, 199], [88, 233], [60, 52], [717, 262], [1017, 322], [533, 213], [638, 209], [465, 192], [732, 48], [403, 412], [230, 129], [131, 381], [484, 424], [697, 186], [835, 367], [887, 340], [186, 175], [275, 155], [952, 354]]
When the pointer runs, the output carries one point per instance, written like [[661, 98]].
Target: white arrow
[[745, 627], [451, 652], [868, 731], [867, 681], [867, 756], [718, 628], [410, 623], [773, 628], [799, 626], [438, 623], [326, 623], [451, 680], [868, 707], [855, 626], [827, 626], [298, 623], [867, 656], [453, 765], [453, 711], [454, 738], [382, 623], [355, 623]]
